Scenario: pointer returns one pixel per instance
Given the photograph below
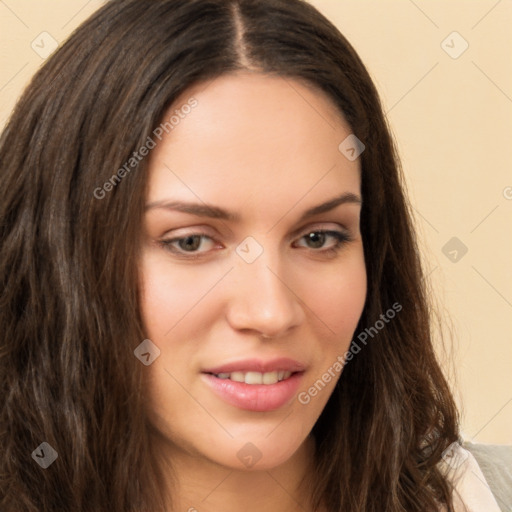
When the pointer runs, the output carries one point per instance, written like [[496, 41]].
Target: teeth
[[237, 377], [269, 378], [255, 377]]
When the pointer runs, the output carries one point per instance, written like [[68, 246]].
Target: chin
[[257, 452]]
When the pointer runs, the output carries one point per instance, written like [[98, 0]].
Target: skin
[[264, 148]]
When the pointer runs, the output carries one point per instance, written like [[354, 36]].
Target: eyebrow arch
[[198, 209], [348, 197], [214, 212]]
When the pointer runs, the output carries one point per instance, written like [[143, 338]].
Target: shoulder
[[471, 493]]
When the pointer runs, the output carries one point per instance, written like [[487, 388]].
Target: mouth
[[253, 378], [255, 391]]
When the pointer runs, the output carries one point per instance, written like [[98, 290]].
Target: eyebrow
[[214, 212]]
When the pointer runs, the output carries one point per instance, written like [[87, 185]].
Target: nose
[[263, 300]]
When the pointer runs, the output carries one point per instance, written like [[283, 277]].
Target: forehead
[[252, 138]]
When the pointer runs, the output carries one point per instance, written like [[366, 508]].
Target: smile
[[255, 391], [255, 377]]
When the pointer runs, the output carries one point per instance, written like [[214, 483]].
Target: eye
[[328, 241], [195, 243]]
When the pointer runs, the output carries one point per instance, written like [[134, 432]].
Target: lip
[[257, 365], [254, 397]]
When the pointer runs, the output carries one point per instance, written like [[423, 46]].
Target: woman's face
[[252, 268]]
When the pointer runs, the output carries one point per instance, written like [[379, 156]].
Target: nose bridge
[[262, 299]]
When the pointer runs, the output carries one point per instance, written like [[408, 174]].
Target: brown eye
[[316, 239], [326, 240], [190, 243], [193, 244]]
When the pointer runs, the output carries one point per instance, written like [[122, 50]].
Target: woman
[[211, 291]]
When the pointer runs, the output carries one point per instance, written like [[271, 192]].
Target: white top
[[471, 491]]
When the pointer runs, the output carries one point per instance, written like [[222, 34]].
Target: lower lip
[[255, 397]]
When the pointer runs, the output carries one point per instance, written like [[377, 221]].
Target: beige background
[[452, 117]]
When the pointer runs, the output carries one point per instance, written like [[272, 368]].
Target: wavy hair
[[69, 285]]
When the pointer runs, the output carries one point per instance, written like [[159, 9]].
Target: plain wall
[[451, 114]]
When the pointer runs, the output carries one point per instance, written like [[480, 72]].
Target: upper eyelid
[[301, 234], [296, 233], [318, 226]]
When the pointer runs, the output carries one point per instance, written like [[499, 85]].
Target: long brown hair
[[69, 306]]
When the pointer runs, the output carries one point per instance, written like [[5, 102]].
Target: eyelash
[[340, 237]]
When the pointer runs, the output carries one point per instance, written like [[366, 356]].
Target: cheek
[[169, 295], [337, 297], [347, 302]]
